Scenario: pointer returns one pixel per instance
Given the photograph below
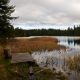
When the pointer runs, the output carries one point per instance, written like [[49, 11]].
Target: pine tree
[[5, 19]]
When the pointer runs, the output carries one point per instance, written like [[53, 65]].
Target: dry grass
[[33, 44], [45, 39], [3, 74], [50, 39], [74, 63]]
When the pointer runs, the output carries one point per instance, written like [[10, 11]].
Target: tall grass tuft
[[47, 39], [34, 44], [74, 62]]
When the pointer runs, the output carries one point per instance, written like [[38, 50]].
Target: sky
[[38, 14]]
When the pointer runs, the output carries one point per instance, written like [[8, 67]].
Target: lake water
[[73, 42], [58, 58]]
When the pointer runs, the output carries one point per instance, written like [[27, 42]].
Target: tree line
[[18, 32]]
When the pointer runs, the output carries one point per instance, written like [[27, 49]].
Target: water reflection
[[57, 59], [70, 42], [77, 42], [51, 59]]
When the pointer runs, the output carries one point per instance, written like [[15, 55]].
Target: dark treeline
[[47, 32]]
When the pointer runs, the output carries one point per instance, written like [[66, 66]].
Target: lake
[[73, 42], [62, 60]]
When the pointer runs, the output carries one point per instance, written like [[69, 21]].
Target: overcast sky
[[34, 14]]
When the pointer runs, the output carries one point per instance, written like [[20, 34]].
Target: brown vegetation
[[74, 62], [45, 39], [33, 44]]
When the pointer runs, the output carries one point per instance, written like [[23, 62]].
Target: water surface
[[57, 58]]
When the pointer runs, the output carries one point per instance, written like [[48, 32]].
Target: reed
[[47, 39], [74, 62], [34, 44]]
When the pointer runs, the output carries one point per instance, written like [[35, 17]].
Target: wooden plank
[[21, 57]]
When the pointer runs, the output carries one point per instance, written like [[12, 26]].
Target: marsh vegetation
[[56, 61], [8, 71], [33, 44]]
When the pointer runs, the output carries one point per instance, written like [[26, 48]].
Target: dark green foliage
[[6, 29], [43, 32], [47, 32], [77, 30]]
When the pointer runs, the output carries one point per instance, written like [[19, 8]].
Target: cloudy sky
[[38, 14]]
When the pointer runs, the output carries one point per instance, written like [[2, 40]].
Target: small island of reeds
[[34, 44]]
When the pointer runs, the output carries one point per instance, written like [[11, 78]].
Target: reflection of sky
[[65, 38], [68, 41], [55, 58], [49, 59]]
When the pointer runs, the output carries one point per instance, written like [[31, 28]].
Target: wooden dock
[[25, 57], [21, 57]]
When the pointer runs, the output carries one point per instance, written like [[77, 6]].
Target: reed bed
[[34, 44], [74, 62], [45, 39]]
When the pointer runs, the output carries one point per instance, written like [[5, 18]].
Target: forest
[[18, 32]]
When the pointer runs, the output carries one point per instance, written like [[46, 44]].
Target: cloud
[[47, 12]]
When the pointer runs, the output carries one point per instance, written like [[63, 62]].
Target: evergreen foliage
[[6, 29], [47, 32]]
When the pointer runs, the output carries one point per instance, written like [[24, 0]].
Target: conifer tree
[[6, 28]]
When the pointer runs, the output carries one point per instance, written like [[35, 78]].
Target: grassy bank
[[33, 44], [7, 70]]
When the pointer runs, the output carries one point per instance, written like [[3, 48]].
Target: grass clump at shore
[[34, 44], [3, 73], [74, 62], [45, 39]]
